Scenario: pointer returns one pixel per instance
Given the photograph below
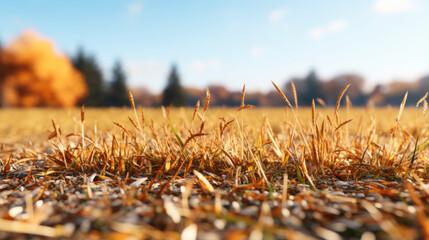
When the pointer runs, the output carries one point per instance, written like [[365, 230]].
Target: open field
[[295, 173], [23, 125]]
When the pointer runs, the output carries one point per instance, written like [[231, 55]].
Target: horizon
[[232, 43]]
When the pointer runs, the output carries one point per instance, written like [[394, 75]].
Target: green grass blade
[[175, 134]]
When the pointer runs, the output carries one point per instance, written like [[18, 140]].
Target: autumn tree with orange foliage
[[34, 74]]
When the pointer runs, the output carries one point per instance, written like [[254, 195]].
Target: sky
[[234, 42]]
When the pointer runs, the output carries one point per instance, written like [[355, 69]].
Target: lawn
[[215, 173]]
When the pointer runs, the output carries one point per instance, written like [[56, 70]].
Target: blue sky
[[235, 42]]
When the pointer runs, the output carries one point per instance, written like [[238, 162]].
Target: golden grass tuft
[[225, 151], [298, 149]]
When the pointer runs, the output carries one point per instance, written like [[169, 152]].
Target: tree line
[[113, 91], [308, 87], [102, 92]]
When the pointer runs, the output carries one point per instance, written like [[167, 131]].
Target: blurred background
[[68, 53]]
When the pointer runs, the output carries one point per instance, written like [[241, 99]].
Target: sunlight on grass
[[212, 151]]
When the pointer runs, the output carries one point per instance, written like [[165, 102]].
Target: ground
[[221, 173]]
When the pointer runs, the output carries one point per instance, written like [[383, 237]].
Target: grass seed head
[[282, 94]]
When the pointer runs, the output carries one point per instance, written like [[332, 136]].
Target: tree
[[220, 96], [173, 93], [34, 74], [299, 84], [89, 68], [333, 87], [312, 88], [118, 87]]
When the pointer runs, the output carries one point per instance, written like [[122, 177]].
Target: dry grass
[[23, 125], [247, 149]]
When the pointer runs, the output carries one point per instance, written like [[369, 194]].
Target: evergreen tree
[[118, 88], [1, 76], [88, 66], [312, 88], [173, 93]]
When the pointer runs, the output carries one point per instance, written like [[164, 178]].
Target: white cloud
[[148, 69], [335, 26], [213, 63], [134, 68], [386, 7], [256, 51], [276, 15], [149, 73], [134, 8], [209, 64], [198, 65], [316, 33]]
